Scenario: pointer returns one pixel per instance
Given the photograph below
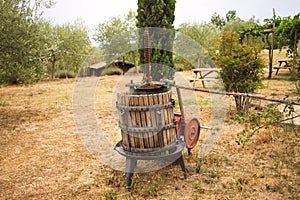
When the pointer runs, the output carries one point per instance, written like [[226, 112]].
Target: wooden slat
[[153, 121], [158, 121], [167, 120], [128, 120], [137, 120], [143, 138], [126, 137], [163, 114], [148, 122]]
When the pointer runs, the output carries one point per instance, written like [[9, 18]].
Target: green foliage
[[269, 22], [267, 117], [158, 13], [65, 74], [219, 21], [243, 137], [288, 33], [67, 46], [20, 42], [252, 34], [194, 43], [153, 189], [117, 38], [204, 34], [240, 184], [96, 56], [75, 45], [250, 31], [199, 165], [113, 70], [261, 119], [28, 44], [241, 67], [110, 195]]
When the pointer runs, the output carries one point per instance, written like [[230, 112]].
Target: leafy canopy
[[117, 37], [21, 46]]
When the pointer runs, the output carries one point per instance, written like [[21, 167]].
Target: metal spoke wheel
[[191, 133]]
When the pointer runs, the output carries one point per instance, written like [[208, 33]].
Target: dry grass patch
[[42, 157]]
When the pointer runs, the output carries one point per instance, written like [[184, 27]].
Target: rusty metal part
[[191, 133], [182, 118], [146, 129], [180, 102], [177, 118], [156, 107], [147, 58]]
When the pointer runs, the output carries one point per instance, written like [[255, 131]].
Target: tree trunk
[[242, 105], [53, 69]]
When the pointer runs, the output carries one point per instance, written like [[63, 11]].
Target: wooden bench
[[285, 66], [194, 80], [204, 74], [281, 67]]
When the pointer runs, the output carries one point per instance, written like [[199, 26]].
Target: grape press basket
[[150, 129]]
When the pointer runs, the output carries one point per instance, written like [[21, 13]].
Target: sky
[[93, 12]]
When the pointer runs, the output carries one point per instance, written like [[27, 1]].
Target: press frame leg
[[182, 165], [129, 171]]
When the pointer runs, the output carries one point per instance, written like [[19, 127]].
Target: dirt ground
[[42, 156]]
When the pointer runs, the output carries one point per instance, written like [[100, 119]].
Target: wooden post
[[271, 46]]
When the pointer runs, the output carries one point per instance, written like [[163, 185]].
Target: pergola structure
[[271, 47]]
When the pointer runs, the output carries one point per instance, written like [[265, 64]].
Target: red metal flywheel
[[191, 133]]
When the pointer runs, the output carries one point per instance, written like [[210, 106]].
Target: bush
[[241, 68], [182, 64], [113, 70], [65, 74]]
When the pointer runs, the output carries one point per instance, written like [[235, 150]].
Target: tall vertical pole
[[147, 58], [271, 48]]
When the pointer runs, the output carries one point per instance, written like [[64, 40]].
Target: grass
[[42, 156]]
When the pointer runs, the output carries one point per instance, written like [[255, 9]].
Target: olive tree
[[204, 35], [21, 42], [67, 46], [117, 37]]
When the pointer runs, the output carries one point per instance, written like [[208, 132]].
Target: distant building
[[96, 69]]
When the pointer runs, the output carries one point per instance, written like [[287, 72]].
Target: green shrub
[[241, 68], [65, 74], [110, 195], [182, 64], [113, 70], [179, 67]]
